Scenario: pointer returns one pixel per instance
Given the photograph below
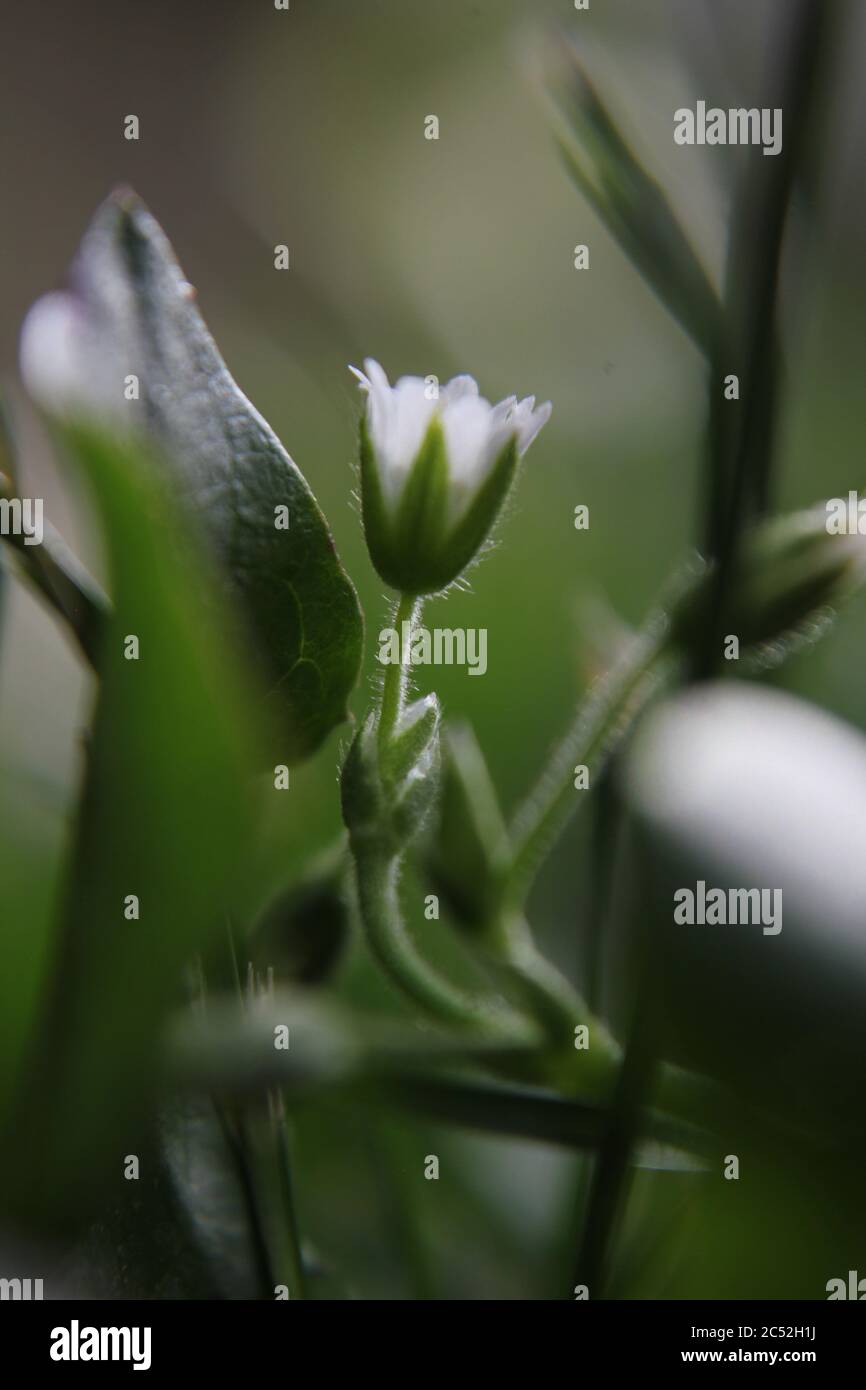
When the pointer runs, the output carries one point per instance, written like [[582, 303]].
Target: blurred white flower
[[50, 352], [67, 367]]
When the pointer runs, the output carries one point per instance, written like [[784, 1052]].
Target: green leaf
[[299, 606], [470, 848], [165, 816], [632, 205], [206, 1168], [31, 848], [181, 1229]]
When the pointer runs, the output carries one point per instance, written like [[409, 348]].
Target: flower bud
[[386, 800], [436, 467], [790, 572]]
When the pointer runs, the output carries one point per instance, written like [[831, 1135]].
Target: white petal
[[475, 431], [530, 423], [504, 410], [457, 388], [376, 376], [412, 412], [466, 423]]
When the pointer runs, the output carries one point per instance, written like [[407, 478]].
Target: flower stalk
[[395, 682]]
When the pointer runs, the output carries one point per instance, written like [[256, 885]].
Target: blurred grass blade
[[163, 816], [633, 207], [32, 831], [543, 1116], [234, 1052]]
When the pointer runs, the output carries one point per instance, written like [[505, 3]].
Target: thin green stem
[[512, 958], [378, 861], [610, 1177], [605, 832], [740, 434], [397, 674], [389, 939], [292, 1243], [53, 570], [602, 719], [529, 1113]]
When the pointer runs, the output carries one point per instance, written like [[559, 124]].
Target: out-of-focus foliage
[[436, 256]]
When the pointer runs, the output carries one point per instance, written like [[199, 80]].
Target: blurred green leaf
[[164, 816], [470, 845], [173, 1233], [303, 929], [233, 1051], [206, 1168], [632, 205], [135, 314], [549, 1118], [32, 828]]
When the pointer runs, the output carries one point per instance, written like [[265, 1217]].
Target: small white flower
[[475, 432]]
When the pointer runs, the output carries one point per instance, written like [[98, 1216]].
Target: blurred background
[[261, 127]]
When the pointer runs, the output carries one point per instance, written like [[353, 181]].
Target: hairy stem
[[601, 721], [393, 947], [397, 674]]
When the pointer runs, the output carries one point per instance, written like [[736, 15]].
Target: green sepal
[[472, 530], [418, 726], [422, 515], [412, 549], [378, 528], [417, 795], [384, 816], [361, 788]]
